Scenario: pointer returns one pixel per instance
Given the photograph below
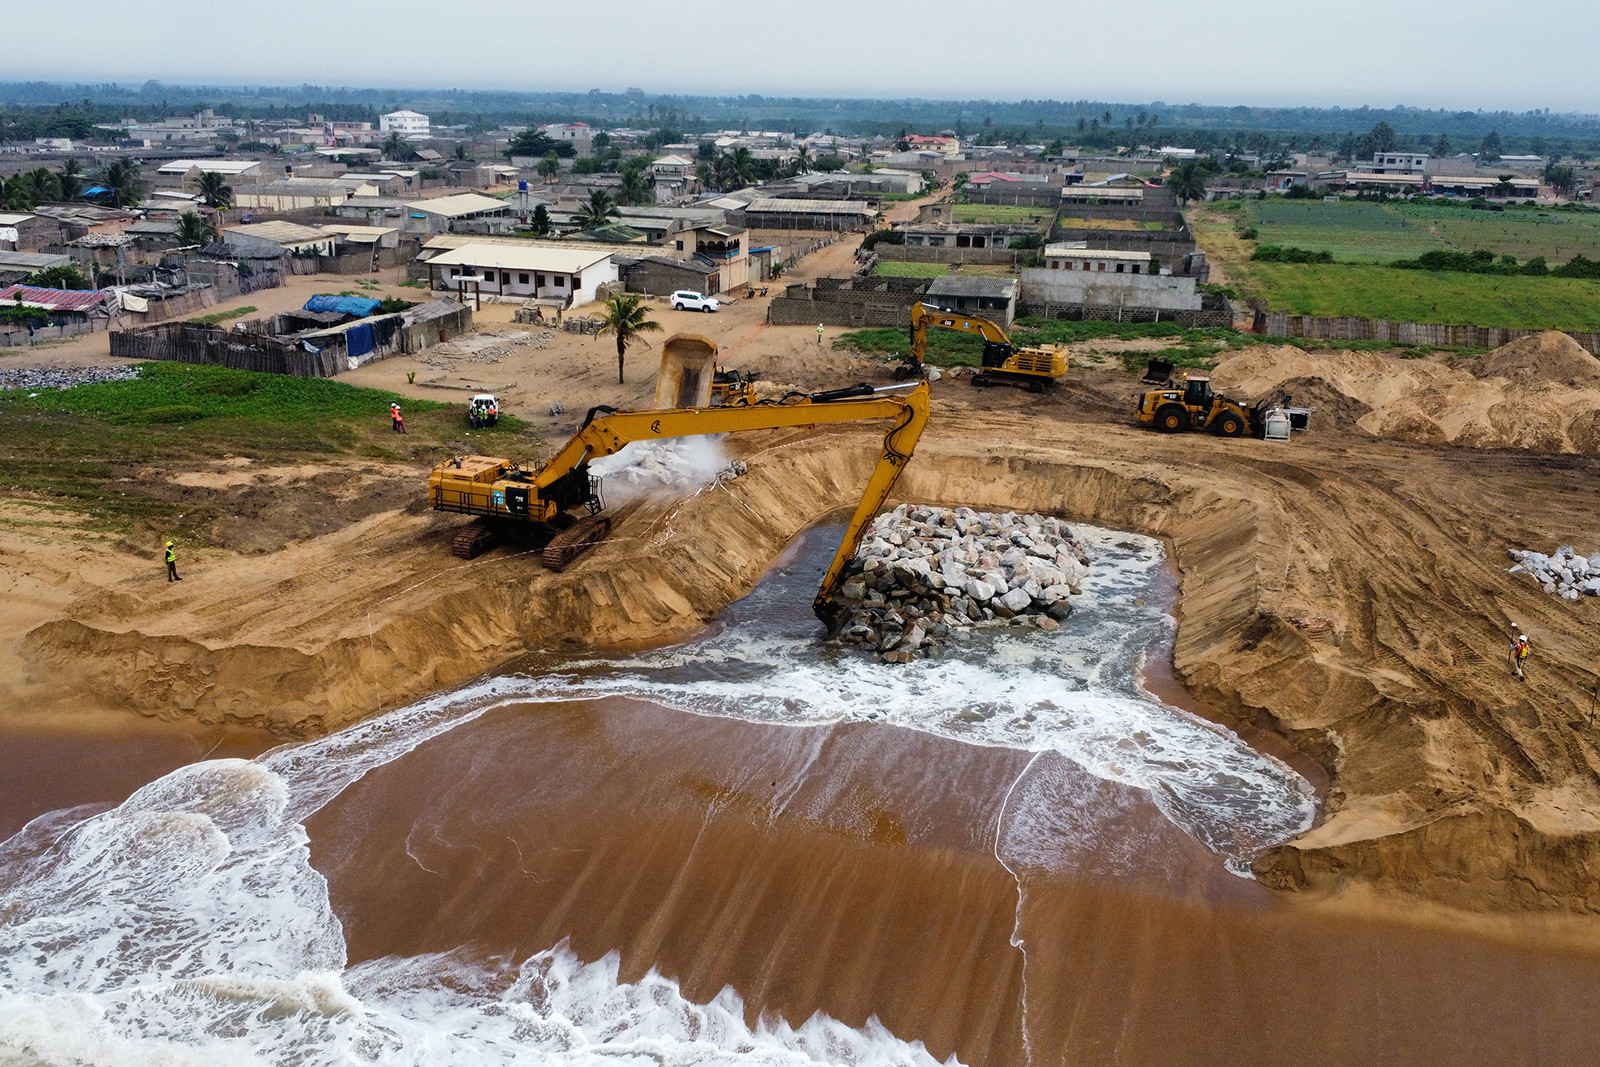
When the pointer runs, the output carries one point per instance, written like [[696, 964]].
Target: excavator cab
[[995, 354]]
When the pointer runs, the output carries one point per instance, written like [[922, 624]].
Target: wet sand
[[853, 870]]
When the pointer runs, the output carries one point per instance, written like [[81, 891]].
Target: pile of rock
[[1563, 572], [63, 377], [926, 576]]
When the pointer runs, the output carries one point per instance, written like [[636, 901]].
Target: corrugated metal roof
[[54, 299], [458, 205], [771, 205], [280, 231], [1077, 250], [973, 285], [11, 219], [216, 166], [32, 260], [553, 258]]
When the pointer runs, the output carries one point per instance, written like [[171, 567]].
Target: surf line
[[1017, 940]]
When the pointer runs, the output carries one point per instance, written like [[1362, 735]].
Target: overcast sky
[[1458, 54]]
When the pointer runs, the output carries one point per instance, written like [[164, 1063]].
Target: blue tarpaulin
[[358, 306], [358, 339]]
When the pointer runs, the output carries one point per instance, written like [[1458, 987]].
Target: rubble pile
[[1563, 572], [63, 377], [926, 576]]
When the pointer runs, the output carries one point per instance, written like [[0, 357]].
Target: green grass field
[[76, 448], [895, 269], [1002, 213], [1365, 232], [1422, 296]]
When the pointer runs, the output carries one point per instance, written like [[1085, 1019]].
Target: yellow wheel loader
[[1031, 367], [1174, 407], [559, 506]]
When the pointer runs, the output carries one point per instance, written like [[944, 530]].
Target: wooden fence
[[192, 342], [1273, 324]]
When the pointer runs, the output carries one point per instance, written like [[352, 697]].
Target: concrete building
[[1398, 163], [975, 294], [22, 231], [185, 173], [769, 213], [350, 233], [267, 239], [578, 134], [296, 194], [18, 267], [663, 276], [524, 268], [1075, 276], [405, 123], [462, 213], [966, 235]]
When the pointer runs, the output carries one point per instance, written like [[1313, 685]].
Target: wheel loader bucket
[[688, 362], [1157, 371]]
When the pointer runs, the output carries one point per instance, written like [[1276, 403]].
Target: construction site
[[1314, 548]]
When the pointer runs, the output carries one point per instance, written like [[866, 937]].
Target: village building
[[976, 294], [462, 213], [22, 231], [18, 267], [1075, 277], [186, 173], [405, 123], [560, 269], [269, 239], [770, 213]]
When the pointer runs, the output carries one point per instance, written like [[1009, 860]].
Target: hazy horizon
[[1467, 56]]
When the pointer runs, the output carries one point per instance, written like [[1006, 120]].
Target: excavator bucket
[[1157, 371], [688, 362]]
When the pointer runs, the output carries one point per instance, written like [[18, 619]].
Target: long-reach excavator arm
[[492, 486], [1034, 366]]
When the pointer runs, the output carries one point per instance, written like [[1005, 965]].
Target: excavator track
[[575, 540], [475, 538]]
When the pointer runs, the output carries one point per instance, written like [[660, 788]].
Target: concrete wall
[[662, 279], [1416, 333], [852, 302], [1040, 285], [1008, 257]]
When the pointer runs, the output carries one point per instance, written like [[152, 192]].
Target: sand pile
[[1541, 393]]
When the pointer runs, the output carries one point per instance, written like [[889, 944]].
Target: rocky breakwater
[[926, 576], [1564, 573]]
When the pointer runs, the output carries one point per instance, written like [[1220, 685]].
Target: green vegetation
[[81, 449], [66, 276], [1422, 296], [897, 269], [1367, 232], [1009, 214], [223, 316], [1278, 254]]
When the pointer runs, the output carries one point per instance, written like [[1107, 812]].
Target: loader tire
[[1172, 418], [1230, 426]]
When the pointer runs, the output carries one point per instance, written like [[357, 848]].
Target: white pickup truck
[[689, 300]]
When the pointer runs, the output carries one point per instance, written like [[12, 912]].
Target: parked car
[[689, 300]]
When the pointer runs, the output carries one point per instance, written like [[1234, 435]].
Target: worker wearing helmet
[[172, 564], [1520, 650]]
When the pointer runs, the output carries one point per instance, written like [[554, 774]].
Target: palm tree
[[122, 184], [802, 160], [461, 151], [744, 166], [1187, 182], [194, 229], [598, 211], [214, 190], [636, 189], [71, 179], [625, 317], [396, 147]]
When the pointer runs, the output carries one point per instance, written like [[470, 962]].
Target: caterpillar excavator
[[1031, 367], [559, 505]]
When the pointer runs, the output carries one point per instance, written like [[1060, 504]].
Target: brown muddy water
[[743, 849]]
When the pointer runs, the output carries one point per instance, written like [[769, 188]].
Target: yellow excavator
[[1031, 367], [559, 504]]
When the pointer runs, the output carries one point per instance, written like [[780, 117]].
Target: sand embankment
[[1353, 597]]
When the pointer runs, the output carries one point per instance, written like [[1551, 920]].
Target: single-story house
[[976, 294], [294, 194], [17, 267], [24, 232], [525, 268], [64, 305], [185, 173], [1076, 276], [1119, 195], [768, 213], [279, 239], [77, 220], [365, 236], [661, 276], [445, 213]]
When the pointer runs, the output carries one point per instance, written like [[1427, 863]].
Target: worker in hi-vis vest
[[172, 564]]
